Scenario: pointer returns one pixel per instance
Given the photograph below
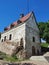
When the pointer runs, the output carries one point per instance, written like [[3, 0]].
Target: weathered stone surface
[[22, 54], [7, 48]]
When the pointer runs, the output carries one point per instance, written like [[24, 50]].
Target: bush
[[3, 56], [44, 45]]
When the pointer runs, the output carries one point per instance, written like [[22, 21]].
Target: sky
[[10, 10]]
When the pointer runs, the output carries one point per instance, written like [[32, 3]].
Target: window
[[5, 38], [2, 40], [12, 25], [33, 39], [18, 21], [10, 37]]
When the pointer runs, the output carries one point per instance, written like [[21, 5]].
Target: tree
[[44, 30], [46, 33], [41, 26]]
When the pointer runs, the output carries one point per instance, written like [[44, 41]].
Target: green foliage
[[44, 30], [15, 57], [41, 26], [8, 58], [44, 45], [46, 33], [2, 55]]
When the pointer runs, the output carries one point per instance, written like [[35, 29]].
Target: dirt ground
[[24, 63]]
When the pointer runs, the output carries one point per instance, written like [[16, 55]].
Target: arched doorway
[[33, 50]]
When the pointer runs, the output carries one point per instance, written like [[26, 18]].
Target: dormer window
[[18, 21], [11, 25]]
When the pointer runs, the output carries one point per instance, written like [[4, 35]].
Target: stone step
[[39, 58]]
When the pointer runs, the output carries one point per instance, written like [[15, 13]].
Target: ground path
[[25, 63]]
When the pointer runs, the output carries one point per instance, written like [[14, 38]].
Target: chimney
[[21, 15]]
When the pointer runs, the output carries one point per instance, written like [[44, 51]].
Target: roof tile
[[23, 19]]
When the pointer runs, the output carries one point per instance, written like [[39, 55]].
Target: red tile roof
[[7, 28], [23, 19], [14, 23]]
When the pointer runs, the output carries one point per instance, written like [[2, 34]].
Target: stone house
[[24, 31]]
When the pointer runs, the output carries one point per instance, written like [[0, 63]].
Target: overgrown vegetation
[[45, 45], [8, 58]]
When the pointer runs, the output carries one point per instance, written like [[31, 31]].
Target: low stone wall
[[38, 58]]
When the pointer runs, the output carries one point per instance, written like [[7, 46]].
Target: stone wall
[[17, 33], [32, 31], [8, 47]]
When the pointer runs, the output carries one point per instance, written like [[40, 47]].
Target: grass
[[11, 58], [8, 58], [45, 45]]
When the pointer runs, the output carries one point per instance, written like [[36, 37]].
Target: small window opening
[[10, 37], [2, 40], [5, 38], [33, 39]]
